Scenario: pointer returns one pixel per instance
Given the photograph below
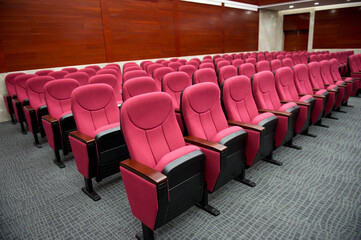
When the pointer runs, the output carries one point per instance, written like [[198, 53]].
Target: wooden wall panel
[[296, 40], [200, 28], [240, 30], [141, 29], [48, 33], [296, 22], [51, 33], [337, 28]]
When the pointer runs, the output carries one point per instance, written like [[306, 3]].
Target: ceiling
[[304, 4]]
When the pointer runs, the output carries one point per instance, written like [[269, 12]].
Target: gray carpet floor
[[316, 194]]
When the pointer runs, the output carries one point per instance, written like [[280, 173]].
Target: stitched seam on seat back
[[166, 140], [150, 146], [199, 116], [106, 115], [91, 115], [214, 124]]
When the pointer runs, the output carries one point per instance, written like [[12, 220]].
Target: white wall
[[270, 36]]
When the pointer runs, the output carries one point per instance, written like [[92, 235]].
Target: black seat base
[[291, 145], [273, 161], [245, 181], [88, 190]]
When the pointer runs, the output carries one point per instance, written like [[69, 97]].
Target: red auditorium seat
[[159, 74], [91, 72], [173, 84], [205, 75], [37, 106], [207, 126], [98, 145], [241, 109], [251, 60], [262, 66], [317, 84], [43, 72], [217, 60], [10, 86], [287, 92], [70, 69], [296, 59], [206, 65], [226, 72], [143, 63], [269, 57], [131, 68], [21, 99], [280, 57], [165, 63], [247, 69], [267, 99], [237, 62], [152, 67], [60, 120], [134, 74], [183, 61], [95, 67], [113, 72], [131, 64], [170, 174], [81, 77], [303, 58], [196, 59], [335, 73], [193, 63], [304, 87], [112, 81], [275, 64], [137, 86], [312, 58], [174, 65], [287, 62], [261, 57], [189, 69], [346, 90], [355, 73]]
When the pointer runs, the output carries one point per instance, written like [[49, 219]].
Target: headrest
[[160, 72], [81, 77], [61, 89], [284, 76], [239, 87], [135, 73], [137, 86], [104, 78], [11, 77], [264, 80], [93, 97], [20, 80], [205, 75], [36, 84], [107, 71], [177, 81], [149, 110], [202, 97]]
